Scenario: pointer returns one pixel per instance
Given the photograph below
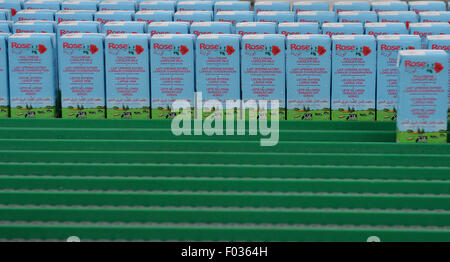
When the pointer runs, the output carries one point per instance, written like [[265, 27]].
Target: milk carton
[[234, 17], [73, 27], [231, 6], [154, 16], [74, 15], [381, 28], [425, 29], [46, 15], [419, 6], [351, 6], [298, 28], [201, 28], [42, 4], [387, 72], [6, 27], [441, 42], [82, 76], [218, 72], [34, 27], [343, 29], [4, 85], [310, 6], [193, 16], [195, 6], [251, 28], [155, 28], [79, 5], [13, 5], [127, 60], [5, 14], [275, 16], [172, 73], [308, 77], [358, 16], [271, 6], [109, 16], [32, 85], [263, 74], [422, 109], [157, 5], [389, 6], [320, 17], [125, 27], [353, 78], [406, 17], [117, 5], [435, 16]]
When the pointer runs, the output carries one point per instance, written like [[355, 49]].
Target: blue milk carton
[[419, 6], [127, 66], [320, 17], [74, 15], [157, 5], [193, 16], [263, 75], [109, 16], [351, 6], [358, 16], [234, 17], [331, 29], [82, 76], [441, 42], [42, 4], [172, 73], [150, 16], [275, 16], [4, 84], [389, 6], [422, 108], [80, 5], [195, 6], [406, 17], [308, 77], [231, 6], [202, 28], [125, 27], [46, 15], [310, 6], [73, 27], [353, 78], [218, 72], [382, 28], [5, 14], [252, 28], [155, 28], [298, 28], [387, 72], [6, 26], [32, 85], [271, 6], [435, 16], [117, 5], [13, 5], [34, 27], [425, 29]]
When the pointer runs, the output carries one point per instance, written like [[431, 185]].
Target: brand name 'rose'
[[159, 46], [409, 63], [254, 47]]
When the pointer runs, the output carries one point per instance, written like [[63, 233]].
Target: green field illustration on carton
[[260, 114], [351, 114], [387, 115], [80, 112], [125, 112], [420, 136], [166, 113], [28, 111], [4, 111], [307, 114]]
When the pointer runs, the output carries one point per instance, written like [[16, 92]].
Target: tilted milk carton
[[275, 16], [310, 6], [234, 17], [387, 72], [263, 75], [32, 75], [342, 29], [441, 42], [351, 6], [406, 17], [172, 73], [13, 5], [73, 27], [158, 5], [308, 77], [218, 72], [127, 60], [125, 27], [271, 6], [42, 4], [202, 28], [79, 5], [425, 29], [117, 5], [389, 6], [358, 16], [435, 16], [422, 108], [46, 15], [4, 84], [82, 75], [419, 6], [34, 27], [231, 6], [251, 28], [298, 28], [353, 78], [6, 27], [320, 17], [154, 16], [195, 6], [193, 16], [109, 16], [381, 28], [74, 15], [155, 28]]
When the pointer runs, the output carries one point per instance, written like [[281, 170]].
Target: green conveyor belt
[[135, 180]]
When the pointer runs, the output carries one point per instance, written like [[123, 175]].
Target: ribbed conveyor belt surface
[[135, 180]]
